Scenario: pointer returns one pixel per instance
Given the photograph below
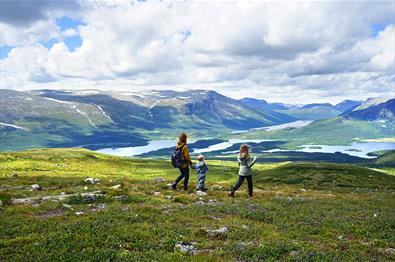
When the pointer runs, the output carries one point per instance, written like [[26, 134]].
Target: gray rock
[[35, 187], [186, 247], [67, 206], [390, 251], [159, 180], [91, 180], [116, 187], [220, 231], [121, 197], [201, 193]]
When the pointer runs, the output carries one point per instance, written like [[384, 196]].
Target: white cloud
[[279, 51]]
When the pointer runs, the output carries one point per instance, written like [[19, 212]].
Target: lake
[[295, 124], [161, 144], [355, 149]]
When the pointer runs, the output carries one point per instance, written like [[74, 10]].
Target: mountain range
[[96, 119]]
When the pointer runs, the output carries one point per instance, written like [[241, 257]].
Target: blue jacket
[[200, 167]]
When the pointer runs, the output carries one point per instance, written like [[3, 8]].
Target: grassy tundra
[[300, 211]]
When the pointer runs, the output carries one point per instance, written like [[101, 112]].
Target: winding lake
[[355, 149]]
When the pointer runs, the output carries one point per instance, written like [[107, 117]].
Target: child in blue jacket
[[201, 168]]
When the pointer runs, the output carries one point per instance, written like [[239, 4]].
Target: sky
[[284, 51]]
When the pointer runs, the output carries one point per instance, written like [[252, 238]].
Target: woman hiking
[[185, 162], [245, 162]]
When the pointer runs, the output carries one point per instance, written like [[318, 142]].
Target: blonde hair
[[244, 151], [200, 157]]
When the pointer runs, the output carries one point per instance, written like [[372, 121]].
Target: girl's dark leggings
[[241, 180], [184, 174]]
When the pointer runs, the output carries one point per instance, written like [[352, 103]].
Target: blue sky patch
[[66, 22], [49, 44], [73, 42], [4, 51], [376, 28]]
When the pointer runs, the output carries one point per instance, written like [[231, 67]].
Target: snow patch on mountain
[[14, 126], [103, 112]]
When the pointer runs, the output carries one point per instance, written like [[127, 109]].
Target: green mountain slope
[[334, 131]]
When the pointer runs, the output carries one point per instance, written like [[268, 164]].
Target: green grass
[[300, 211]]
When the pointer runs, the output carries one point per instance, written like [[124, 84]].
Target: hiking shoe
[[231, 194], [174, 187]]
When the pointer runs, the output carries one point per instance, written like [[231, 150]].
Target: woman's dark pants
[[241, 180], [184, 174]]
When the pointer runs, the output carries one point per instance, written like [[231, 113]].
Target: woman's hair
[[182, 138], [244, 151]]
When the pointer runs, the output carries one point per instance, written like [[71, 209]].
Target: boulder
[[116, 187], [159, 180], [185, 247], [92, 180], [220, 231], [35, 187], [201, 193]]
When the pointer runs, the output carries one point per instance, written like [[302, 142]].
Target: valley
[[104, 120]]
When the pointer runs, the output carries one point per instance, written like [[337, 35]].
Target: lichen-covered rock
[[186, 247], [35, 187]]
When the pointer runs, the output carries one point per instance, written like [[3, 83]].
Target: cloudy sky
[[295, 52]]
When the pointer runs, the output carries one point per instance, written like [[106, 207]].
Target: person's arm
[[252, 162], [187, 157], [239, 161]]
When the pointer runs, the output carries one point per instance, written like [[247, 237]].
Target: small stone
[[159, 180], [116, 187], [201, 193], [169, 197], [293, 253], [85, 188], [121, 197], [67, 206], [390, 251], [374, 215], [62, 193], [169, 185], [1, 203], [35, 187], [185, 247], [303, 190], [91, 180], [79, 213], [15, 175], [156, 193], [220, 231]]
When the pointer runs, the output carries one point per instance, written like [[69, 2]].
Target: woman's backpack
[[176, 157]]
